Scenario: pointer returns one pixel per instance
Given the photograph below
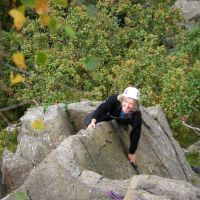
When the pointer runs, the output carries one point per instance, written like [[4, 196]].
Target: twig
[[195, 129], [16, 105], [17, 69], [4, 118]]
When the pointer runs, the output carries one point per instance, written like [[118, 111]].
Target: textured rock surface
[[60, 177], [34, 145], [158, 152], [147, 187], [15, 170], [189, 8], [100, 150], [78, 111], [88, 164]]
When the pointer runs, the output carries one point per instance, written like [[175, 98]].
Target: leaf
[[52, 24], [41, 58], [20, 195], [18, 59], [28, 3], [62, 3], [38, 124], [91, 10], [42, 6], [16, 79], [98, 76], [70, 31], [45, 20], [21, 9], [18, 17], [91, 63]]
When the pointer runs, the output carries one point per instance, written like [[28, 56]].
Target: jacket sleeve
[[105, 107], [135, 133]]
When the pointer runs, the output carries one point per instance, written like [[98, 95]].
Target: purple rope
[[114, 195]]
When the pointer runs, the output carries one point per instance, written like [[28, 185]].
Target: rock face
[[34, 145], [15, 170], [99, 150], [78, 111], [156, 188], [189, 8], [158, 153], [94, 161], [169, 160], [60, 177]]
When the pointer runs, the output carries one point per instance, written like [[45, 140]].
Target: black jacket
[[110, 109]]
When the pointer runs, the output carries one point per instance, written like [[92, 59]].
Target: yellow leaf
[[42, 6], [45, 20], [21, 9], [18, 17], [38, 124], [16, 79], [18, 59]]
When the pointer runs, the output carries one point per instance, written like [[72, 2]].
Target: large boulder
[[156, 188], [59, 175], [15, 170], [158, 116], [100, 150], [190, 8], [88, 164], [158, 152], [63, 175], [35, 144]]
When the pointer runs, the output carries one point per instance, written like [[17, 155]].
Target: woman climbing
[[124, 108]]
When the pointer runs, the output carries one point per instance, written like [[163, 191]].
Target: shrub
[[124, 43], [8, 140]]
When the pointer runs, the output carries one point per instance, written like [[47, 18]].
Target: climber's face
[[128, 104]]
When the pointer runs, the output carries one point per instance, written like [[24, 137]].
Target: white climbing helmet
[[132, 92]]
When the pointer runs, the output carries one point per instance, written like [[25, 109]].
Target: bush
[[124, 43], [8, 140]]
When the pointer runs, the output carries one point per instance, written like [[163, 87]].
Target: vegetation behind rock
[[94, 54]]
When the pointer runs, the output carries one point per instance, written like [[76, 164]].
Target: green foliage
[[5, 89], [91, 63], [95, 54], [181, 94], [185, 137], [28, 3], [193, 158], [20, 196], [191, 44], [8, 140], [41, 58]]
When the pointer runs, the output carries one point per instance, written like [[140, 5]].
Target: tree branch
[[195, 129], [16, 105], [17, 69]]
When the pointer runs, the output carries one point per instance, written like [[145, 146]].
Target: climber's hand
[[92, 124], [132, 158]]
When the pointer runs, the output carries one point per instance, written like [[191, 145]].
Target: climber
[[124, 108]]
